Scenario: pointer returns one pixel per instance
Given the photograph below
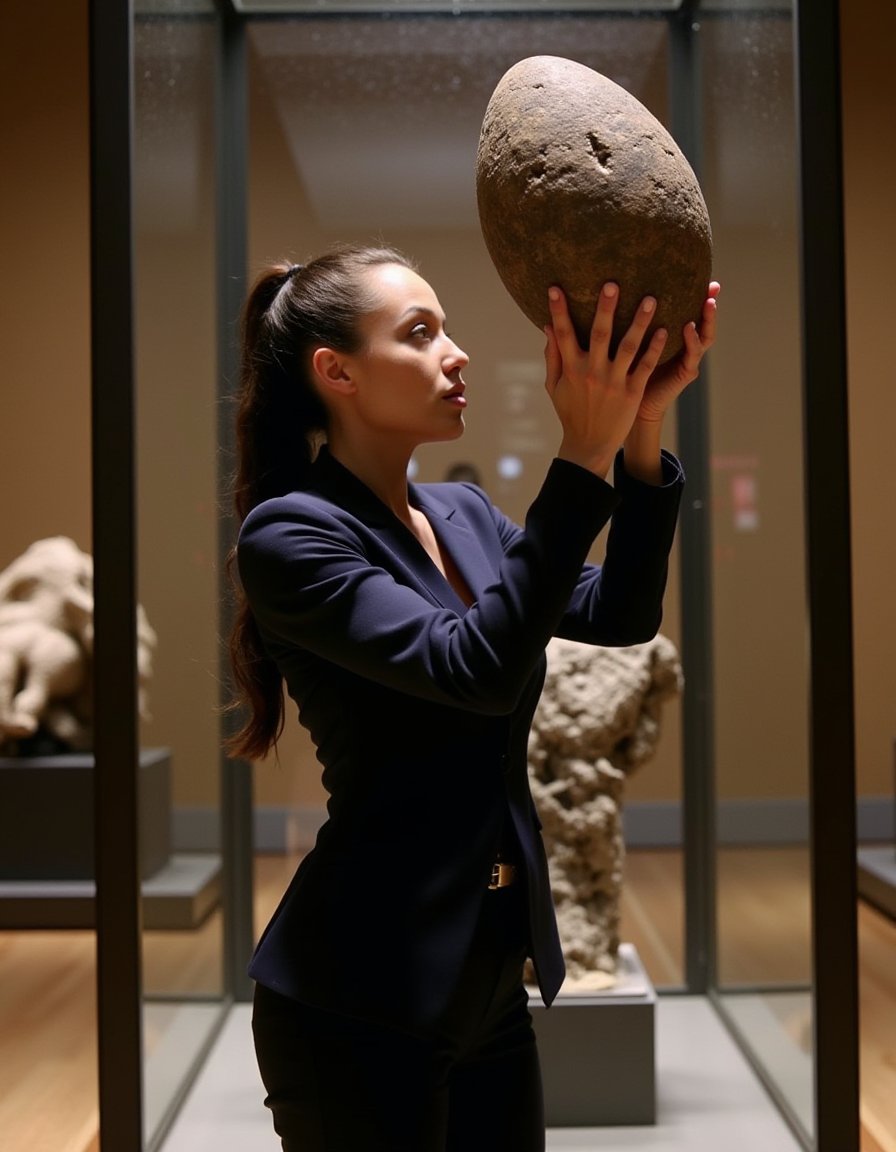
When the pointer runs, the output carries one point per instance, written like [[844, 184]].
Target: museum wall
[[44, 288], [44, 327]]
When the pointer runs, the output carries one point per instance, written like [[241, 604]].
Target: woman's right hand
[[596, 396]]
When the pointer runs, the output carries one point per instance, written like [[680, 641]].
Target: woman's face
[[408, 371]]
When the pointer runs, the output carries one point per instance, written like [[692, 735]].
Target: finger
[[553, 363], [651, 358], [693, 342], [707, 332], [602, 324], [707, 328], [694, 348], [631, 342], [564, 333]]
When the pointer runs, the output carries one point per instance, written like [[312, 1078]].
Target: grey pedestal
[[46, 815], [47, 844], [179, 895], [598, 1051], [877, 877]]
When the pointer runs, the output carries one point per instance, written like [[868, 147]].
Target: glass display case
[[264, 130]]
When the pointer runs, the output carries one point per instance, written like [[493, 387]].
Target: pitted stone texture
[[597, 721], [578, 183]]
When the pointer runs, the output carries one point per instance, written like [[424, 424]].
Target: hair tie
[[293, 269]]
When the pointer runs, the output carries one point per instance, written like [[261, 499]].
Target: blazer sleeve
[[311, 583], [621, 601]]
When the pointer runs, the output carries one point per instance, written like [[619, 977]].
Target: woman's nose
[[456, 355]]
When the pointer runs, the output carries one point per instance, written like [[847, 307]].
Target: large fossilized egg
[[578, 183]]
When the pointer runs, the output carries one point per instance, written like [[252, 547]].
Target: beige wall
[[44, 305], [44, 328]]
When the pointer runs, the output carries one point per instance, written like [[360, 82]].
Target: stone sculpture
[[46, 641], [597, 721]]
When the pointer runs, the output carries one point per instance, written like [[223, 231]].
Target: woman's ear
[[331, 371]]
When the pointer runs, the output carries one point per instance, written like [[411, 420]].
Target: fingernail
[[554, 293], [648, 303], [610, 289]]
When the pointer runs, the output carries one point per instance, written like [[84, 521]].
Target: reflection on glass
[[764, 964], [177, 516]]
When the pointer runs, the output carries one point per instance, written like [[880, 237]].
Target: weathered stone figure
[[46, 641], [598, 720]]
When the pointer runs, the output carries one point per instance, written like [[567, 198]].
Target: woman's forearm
[[642, 451]]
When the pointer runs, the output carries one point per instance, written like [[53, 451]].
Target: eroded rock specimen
[[578, 183], [598, 720]]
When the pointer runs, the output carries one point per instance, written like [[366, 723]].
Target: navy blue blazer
[[419, 708]]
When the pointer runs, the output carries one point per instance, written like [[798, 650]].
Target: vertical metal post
[[118, 913], [232, 179], [832, 733], [698, 780]]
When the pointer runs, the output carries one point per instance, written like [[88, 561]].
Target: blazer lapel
[[457, 539], [338, 484]]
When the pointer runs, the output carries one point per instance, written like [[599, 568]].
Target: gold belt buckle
[[503, 874]]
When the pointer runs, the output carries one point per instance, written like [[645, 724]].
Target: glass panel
[[367, 126], [763, 914], [177, 514]]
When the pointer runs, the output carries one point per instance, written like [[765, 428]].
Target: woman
[[408, 623]]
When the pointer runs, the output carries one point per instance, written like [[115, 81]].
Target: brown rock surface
[[578, 183]]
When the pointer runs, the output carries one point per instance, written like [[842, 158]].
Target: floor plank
[[48, 1041], [877, 1016]]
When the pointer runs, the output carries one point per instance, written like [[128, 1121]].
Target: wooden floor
[[48, 1101]]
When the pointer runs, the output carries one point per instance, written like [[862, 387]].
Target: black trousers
[[338, 1084]]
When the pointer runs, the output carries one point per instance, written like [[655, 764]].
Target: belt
[[503, 874]]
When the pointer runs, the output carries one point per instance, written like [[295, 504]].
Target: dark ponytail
[[281, 420]]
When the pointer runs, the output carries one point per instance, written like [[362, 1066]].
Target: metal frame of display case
[[232, 166], [118, 904], [828, 562], [832, 780], [698, 789]]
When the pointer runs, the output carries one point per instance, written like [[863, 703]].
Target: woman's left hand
[[668, 381]]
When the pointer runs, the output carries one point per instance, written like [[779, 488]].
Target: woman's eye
[[420, 331]]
